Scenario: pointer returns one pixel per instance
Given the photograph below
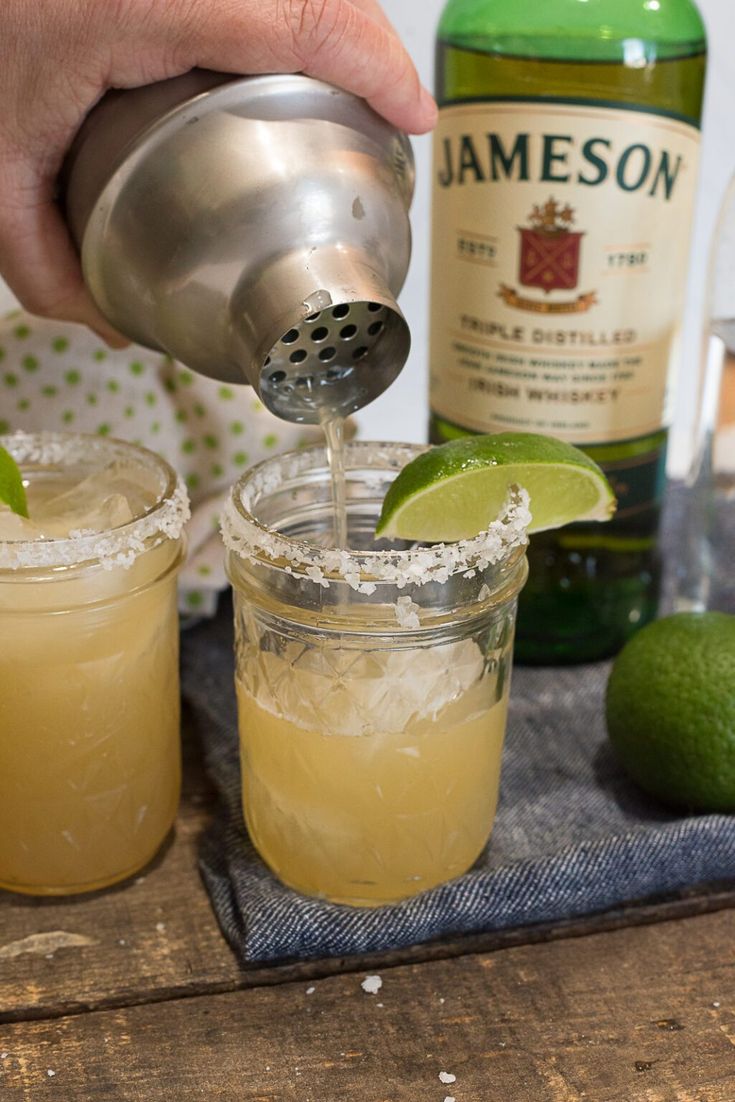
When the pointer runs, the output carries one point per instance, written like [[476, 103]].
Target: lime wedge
[[12, 491], [456, 490]]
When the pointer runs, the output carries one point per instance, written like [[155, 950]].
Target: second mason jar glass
[[372, 683], [89, 680]]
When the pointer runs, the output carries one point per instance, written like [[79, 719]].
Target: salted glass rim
[[253, 541], [113, 547]]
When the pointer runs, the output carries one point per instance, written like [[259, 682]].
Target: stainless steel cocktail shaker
[[254, 228]]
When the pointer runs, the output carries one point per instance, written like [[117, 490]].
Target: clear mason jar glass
[[372, 684], [89, 685]]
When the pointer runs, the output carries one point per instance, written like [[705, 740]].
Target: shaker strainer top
[[254, 228], [329, 363]]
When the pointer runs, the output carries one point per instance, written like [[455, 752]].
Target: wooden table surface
[[132, 994]]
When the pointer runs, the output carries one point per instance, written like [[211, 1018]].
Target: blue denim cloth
[[572, 834]]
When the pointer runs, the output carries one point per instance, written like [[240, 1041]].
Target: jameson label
[[560, 248]]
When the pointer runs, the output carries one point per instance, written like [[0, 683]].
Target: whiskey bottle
[[564, 175]]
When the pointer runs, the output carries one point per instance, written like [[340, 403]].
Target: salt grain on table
[[447, 1077], [371, 984], [310, 990]]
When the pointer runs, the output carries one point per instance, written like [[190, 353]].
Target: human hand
[[60, 56]]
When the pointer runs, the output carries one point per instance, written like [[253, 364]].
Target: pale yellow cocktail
[[372, 681], [89, 702], [376, 788]]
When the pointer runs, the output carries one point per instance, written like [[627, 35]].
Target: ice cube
[[97, 503]]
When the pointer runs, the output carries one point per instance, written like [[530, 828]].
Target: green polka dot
[[24, 404], [192, 481], [136, 368], [188, 446], [210, 441], [68, 416], [199, 409], [217, 470], [194, 599], [129, 411], [60, 344], [99, 354], [237, 428], [257, 407], [10, 379], [92, 398], [186, 377], [170, 385], [73, 377], [181, 416], [29, 363], [204, 570], [150, 398], [226, 394], [49, 391], [113, 386], [21, 332], [156, 426], [103, 429], [4, 426], [270, 440], [2, 353], [240, 458]]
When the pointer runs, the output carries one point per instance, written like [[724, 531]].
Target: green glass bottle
[[565, 166]]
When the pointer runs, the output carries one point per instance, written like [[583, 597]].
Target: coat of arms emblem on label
[[549, 259]]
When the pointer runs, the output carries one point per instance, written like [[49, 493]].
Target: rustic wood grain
[[635, 1015], [152, 937], [156, 938]]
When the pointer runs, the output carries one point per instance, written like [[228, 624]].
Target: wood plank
[[156, 938], [153, 937], [634, 1015]]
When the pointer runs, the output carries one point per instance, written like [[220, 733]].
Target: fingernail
[[429, 108]]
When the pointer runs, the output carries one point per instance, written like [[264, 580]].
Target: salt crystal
[[51, 1073], [310, 990], [447, 1077], [450, 1098], [371, 984], [4, 1055], [716, 1006], [161, 927], [407, 613]]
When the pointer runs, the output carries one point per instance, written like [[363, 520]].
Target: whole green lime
[[670, 710]]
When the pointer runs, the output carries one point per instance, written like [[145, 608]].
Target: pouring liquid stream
[[334, 431]]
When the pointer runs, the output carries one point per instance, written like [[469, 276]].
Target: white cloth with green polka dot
[[58, 376]]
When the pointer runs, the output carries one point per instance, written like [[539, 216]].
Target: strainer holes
[[373, 307], [320, 334], [347, 332], [313, 317], [341, 311], [375, 328], [298, 356], [267, 361], [290, 337], [327, 354], [304, 381], [359, 352], [276, 377]]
